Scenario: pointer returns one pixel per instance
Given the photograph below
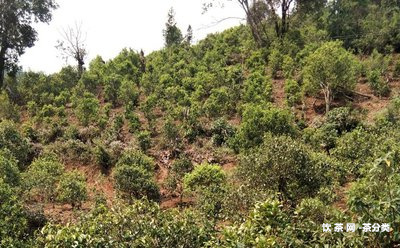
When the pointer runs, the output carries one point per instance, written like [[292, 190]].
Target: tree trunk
[[328, 98], [80, 68], [283, 26], [2, 66]]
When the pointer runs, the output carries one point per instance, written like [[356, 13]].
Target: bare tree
[[73, 45], [258, 11]]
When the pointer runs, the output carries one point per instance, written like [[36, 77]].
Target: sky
[[113, 25]]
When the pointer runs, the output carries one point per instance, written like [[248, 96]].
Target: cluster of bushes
[[214, 96]]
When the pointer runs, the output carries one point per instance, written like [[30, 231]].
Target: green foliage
[[204, 176], [221, 132], [8, 110], [13, 222], [128, 94], [178, 170], [134, 176], [258, 120], [11, 139], [9, 169], [136, 158], [18, 31], [111, 88], [72, 189], [42, 176], [257, 89], [171, 134], [103, 158], [288, 67], [343, 119], [275, 60], [172, 34], [144, 139], [293, 92], [284, 165], [133, 121], [208, 183], [135, 182], [375, 198], [330, 69], [396, 71], [256, 61], [355, 148], [152, 227], [219, 102], [377, 84], [87, 109], [263, 228], [377, 63]]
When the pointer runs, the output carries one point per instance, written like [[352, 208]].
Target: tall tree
[[73, 45], [16, 31], [330, 69], [172, 34], [189, 35]]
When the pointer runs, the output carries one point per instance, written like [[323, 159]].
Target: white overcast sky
[[113, 25]]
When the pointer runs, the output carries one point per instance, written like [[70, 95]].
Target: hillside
[[237, 141]]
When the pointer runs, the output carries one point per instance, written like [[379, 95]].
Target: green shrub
[[396, 71], [343, 119], [257, 88], [322, 138], [72, 150], [288, 67], [90, 81], [32, 108], [134, 182], [264, 226], [8, 110], [374, 198], [62, 99], [144, 139], [256, 61], [355, 148], [72, 189], [111, 88], [378, 62], [293, 92], [171, 134], [284, 165], [42, 176], [221, 132], [219, 102], [393, 110], [128, 93], [102, 227], [275, 60], [204, 176], [377, 84], [331, 69], [208, 183], [174, 181], [136, 159], [258, 120], [9, 171], [87, 109], [11, 139], [13, 222], [103, 158], [133, 121], [48, 110]]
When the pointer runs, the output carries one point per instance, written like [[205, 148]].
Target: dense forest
[[268, 134]]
